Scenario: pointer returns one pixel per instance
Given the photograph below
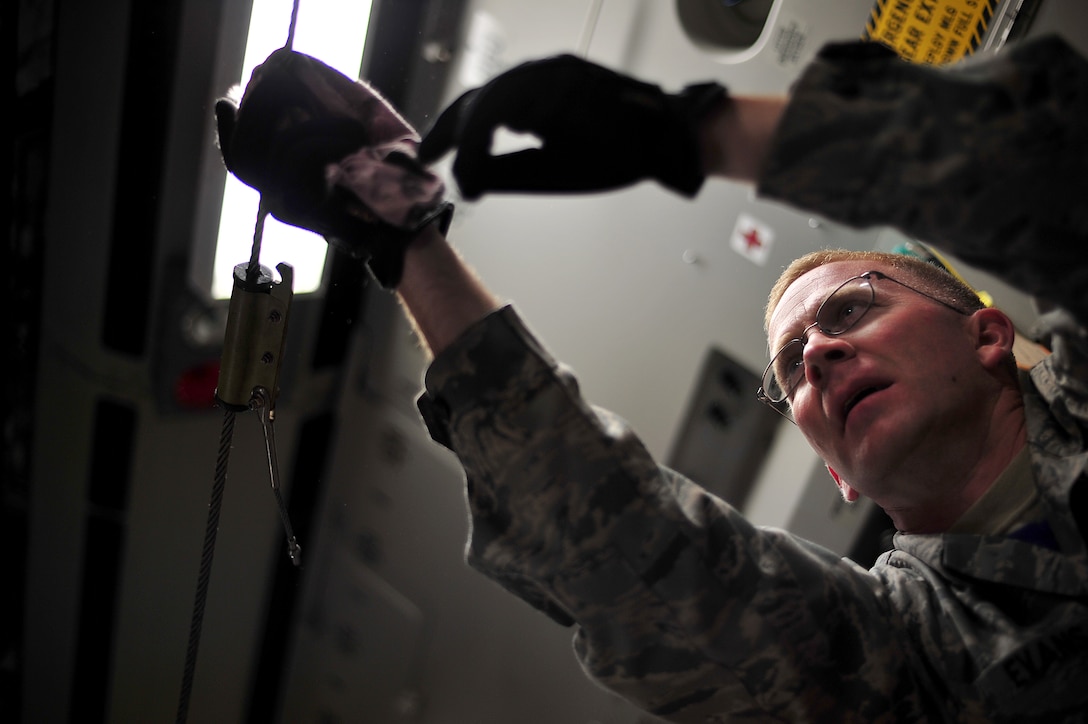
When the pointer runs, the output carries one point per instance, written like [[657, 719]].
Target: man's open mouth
[[860, 395]]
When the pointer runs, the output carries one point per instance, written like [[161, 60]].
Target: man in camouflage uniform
[[679, 603]]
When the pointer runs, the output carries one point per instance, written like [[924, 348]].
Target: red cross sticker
[[752, 239]]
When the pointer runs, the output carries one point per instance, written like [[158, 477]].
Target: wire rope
[[215, 505], [226, 437]]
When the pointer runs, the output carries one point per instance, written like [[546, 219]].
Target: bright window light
[[333, 31]]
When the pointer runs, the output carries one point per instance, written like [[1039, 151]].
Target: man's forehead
[[803, 297]]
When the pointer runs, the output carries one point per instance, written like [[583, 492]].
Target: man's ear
[[848, 494], [994, 336]]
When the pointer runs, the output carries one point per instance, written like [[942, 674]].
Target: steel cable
[[214, 506], [218, 486]]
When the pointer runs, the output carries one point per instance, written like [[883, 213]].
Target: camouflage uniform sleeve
[[680, 604], [987, 159]]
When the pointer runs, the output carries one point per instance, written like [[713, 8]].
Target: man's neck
[[948, 484]]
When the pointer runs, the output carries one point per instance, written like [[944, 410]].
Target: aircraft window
[[731, 25]]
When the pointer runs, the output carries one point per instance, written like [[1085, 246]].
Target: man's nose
[[822, 352]]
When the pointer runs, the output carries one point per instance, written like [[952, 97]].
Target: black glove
[[599, 131], [329, 154]]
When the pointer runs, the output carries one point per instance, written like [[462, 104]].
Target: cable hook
[[262, 403]]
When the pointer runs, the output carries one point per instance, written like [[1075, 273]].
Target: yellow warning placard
[[933, 32]]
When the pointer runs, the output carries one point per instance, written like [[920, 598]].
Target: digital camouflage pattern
[[986, 159], [685, 608]]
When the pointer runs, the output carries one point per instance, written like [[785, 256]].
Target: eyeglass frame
[[761, 393]]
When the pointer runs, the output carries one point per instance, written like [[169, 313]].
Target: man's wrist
[[735, 136], [441, 294]]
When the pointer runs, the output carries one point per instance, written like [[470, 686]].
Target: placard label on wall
[[792, 48], [752, 238], [932, 32]]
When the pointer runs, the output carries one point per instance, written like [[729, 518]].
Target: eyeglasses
[[839, 312]]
